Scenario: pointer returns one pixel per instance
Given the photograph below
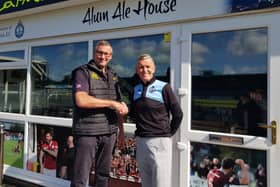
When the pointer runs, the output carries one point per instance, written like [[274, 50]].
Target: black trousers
[[91, 150]]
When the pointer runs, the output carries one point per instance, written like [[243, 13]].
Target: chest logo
[[154, 89], [94, 76]]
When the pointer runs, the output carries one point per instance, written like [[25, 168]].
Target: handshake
[[120, 108]]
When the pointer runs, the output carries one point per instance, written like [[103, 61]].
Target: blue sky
[[127, 50], [223, 53], [231, 52], [62, 59]]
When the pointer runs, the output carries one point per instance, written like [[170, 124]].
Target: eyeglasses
[[100, 53]]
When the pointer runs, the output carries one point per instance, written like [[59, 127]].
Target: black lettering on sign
[[92, 17], [121, 12], [150, 8]]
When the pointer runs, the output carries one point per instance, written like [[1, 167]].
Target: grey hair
[[145, 56], [103, 43]]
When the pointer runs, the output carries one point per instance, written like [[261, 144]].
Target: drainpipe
[[1, 152]]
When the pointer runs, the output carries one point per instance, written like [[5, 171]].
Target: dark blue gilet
[[97, 121]]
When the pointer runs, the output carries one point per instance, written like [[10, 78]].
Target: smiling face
[[145, 68], [103, 55]]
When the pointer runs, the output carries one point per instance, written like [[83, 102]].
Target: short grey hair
[[144, 56], [103, 43]]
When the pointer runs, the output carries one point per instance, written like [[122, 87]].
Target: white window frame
[[251, 142], [64, 122], [15, 47]]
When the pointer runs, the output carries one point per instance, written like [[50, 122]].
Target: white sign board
[[106, 15]]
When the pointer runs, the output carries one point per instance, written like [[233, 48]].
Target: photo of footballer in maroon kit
[[223, 166], [220, 177], [48, 155]]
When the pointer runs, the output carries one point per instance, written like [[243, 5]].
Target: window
[[229, 81], [12, 56], [12, 91], [61, 142], [51, 77]]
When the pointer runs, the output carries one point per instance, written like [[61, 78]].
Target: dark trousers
[[91, 150]]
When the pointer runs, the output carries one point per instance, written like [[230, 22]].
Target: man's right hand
[[120, 108]]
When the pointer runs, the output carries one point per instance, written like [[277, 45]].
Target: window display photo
[[52, 151], [218, 166], [13, 143]]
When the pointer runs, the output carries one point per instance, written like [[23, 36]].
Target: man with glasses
[[97, 112]]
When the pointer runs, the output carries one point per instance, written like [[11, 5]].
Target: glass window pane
[[51, 77], [12, 56], [229, 81], [125, 55], [13, 143], [247, 166], [12, 91]]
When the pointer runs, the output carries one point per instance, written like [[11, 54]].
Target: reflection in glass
[[51, 77], [13, 143], [125, 55], [229, 81], [249, 165], [12, 56], [12, 91]]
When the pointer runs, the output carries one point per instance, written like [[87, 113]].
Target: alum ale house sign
[[124, 11], [10, 6]]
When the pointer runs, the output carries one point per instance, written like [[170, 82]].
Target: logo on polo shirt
[[154, 89]]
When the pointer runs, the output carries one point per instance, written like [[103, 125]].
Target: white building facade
[[222, 59]]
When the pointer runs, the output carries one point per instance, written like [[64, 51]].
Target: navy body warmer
[[98, 121]]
